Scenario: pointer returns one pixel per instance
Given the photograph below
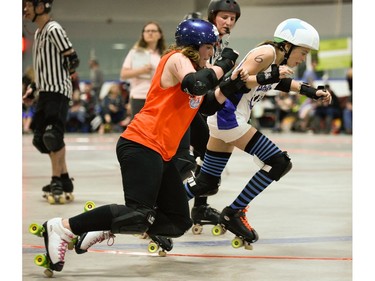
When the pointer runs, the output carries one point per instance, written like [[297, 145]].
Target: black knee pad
[[174, 229], [53, 138], [204, 185], [131, 220], [39, 144], [277, 165]]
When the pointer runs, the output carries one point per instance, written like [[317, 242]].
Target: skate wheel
[[217, 230], [162, 253], [89, 205], [237, 242], [51, 199], [41, 260], [48, 272], [36, 229], [248, 246], [62, 199], [153, 247], [144, 235], [69, 197], [71, 244], [197, 229]]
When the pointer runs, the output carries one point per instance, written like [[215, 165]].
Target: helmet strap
[[286, 53], [36, 14]]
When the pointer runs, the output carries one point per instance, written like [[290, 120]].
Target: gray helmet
[[222, 5]]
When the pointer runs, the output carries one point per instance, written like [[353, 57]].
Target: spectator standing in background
[[96, 79], [140, 64]]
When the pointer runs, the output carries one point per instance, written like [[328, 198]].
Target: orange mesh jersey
[[165, 117]]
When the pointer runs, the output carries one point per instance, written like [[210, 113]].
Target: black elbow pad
[[198, 83]]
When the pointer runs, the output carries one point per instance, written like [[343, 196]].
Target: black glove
[[309, 91], [227, 59]]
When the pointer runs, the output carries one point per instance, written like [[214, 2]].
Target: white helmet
[[297, 32]]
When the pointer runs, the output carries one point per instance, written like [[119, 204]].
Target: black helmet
[[193, 15], [47, 4], [223, 5]]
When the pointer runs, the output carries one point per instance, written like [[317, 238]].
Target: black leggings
[[150, 182]]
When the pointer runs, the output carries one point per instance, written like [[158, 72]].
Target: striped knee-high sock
[[263, 148]]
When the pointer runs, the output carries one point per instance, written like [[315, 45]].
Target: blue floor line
[[216, 243]]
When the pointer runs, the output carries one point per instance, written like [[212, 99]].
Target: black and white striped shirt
[[50, 73]]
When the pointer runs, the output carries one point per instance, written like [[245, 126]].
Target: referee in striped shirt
[[54, 61]]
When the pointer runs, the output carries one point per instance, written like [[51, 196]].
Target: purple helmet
[[196, 32]]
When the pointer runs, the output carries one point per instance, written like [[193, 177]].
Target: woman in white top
[[140, 63], [266, 67]]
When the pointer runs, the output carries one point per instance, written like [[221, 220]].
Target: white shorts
[[229, 135]]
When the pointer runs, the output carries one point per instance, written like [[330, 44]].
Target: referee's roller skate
[[161, 244], [54, 192], [56, 240], [66, 184], [205, 215], [236, 222]]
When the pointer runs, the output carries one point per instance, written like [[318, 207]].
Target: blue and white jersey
[[237, 111]]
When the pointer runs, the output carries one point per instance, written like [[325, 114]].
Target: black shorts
[[51, 109]]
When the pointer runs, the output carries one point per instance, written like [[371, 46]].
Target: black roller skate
[[236, 222], [160, 242], [204, 214], [67, 187], [54, 192]]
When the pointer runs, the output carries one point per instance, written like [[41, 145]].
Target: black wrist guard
[[308, 91], [265, 78], [32, 86], [226, 60], [72, 62], [284, 85]]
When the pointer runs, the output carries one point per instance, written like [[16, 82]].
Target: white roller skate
[[91, 238], [56, 239]]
